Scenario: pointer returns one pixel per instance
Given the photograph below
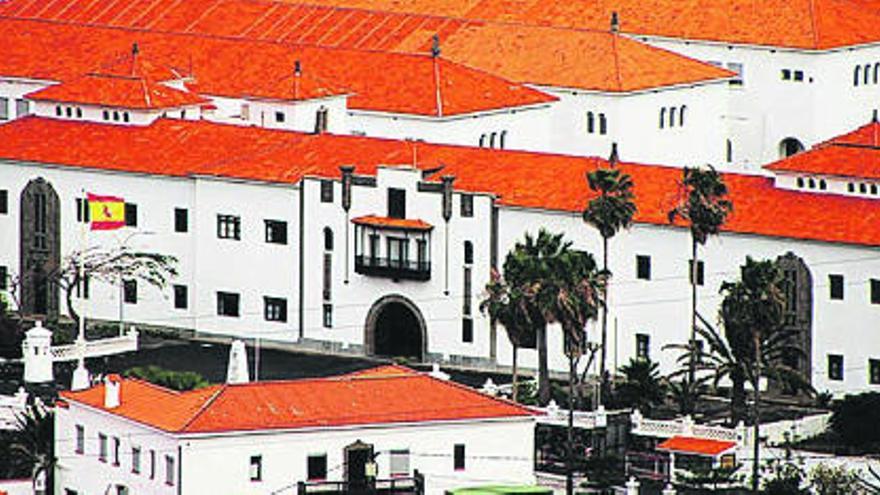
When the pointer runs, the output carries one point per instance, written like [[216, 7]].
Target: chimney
[[615, 23], [237, 371], [36, 348], [112, 391]]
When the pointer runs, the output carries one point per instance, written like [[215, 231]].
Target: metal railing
[[392, 267], [414, 485]]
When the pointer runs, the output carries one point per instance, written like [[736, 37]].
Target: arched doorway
[[40, 247], [395, 328], [799, 311], [789, 147]]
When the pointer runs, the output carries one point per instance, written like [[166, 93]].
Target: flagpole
[[80, 374]]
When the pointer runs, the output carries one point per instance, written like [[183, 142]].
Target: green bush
[[854, 419], [175, 380]]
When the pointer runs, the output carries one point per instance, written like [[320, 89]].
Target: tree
[[704, 207], [175, 380], [613, 209], [509, 306], [835, 480], [755, 306], [642, 387], [34, 442], [853, 420]]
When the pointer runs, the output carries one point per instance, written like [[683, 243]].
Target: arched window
[[492, 140], [468, 253], [603, 124], [106, 115], [662, 117], [591, 123], [69, 112], [672, 117], [482, 141], [812, 183], [328, 239], [874, 189], [851, 187], [822, 184], [322, 118], [79, 112], [800, 182], [502, 140], [867, 74], [125, 116], [58, 110], [863, 188], [857, 75], [681, 115], [115, 116], [790, 146]]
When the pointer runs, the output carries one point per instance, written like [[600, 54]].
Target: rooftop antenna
[[615, 22], [435, 55]]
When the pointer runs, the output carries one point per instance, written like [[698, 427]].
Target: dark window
[[327, 316], [328, 239], [4, 277], [227, 304], [229, 227], [106, 115], [79, 113], [181, 220], [863, 188], [738, 68], [276, 232], [169, 470], [502, 140], [468, 253], [125, 115], [836, 285], [874, 371], [115, 451], [591, 123], [152, 464], [681, 114], [321, 120], [326, 191], [69, 112], [256, 468], [458, 457], [822, 184], [467, 205], [468, 282], [662, 118], [135, 460], [131, 215], [4, 201], [83, 213], [181, 299], [874, 189], [835, 367], [115, 116], [851, 187], [80, 439], [643, 267], [102, 447], [275, 309], [129, 291], [327, 276], [800, 182], [700, 272], [396, 203], [798, 75], [467, 330], [603, 124], [643, 346], [875, 291], [4, 109], [279, 117], [317, 467], [786, 74], [729, 151]]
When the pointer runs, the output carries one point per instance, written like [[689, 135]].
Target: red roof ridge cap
[[204, 407], [528, 410]]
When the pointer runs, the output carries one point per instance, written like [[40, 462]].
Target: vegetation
[[854, 420], [609, 212], [31, 446], [835, 480], [784, 478], [643, 388], [175, 380]]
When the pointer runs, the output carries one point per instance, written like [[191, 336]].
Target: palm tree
[[642, 388], [613, 209], [509, 306], [705, 207], [34, 442]]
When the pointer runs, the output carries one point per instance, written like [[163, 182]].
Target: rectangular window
[[82, 287], [422, 254], [130, 291], [280, 117], [396, 203], [4, 201], [181, 297], [245, 113], [317, 467], [700, 272], [738, 80], [326, 191], [22, 107], [276, 232], [643, 346], [256, 468], [327, 276], [874, 371], [229, 227], [374, 248], [80, 439], [398, 463], [169, 470], [458, 457], [115, 451], [835, 367], [835, 283], [275, 309], [467, 205], [102, 447], [798, 75], [152, 464], [227, 304], [4, 278], [131, 215], [398, 252], [328, 316], [83, 213], [786, 74], [466, 302], [467, 330], [4, 108], [643, 267], [136, 460], [875, 291], [181, 220]]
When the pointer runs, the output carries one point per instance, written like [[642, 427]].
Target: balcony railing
[[392, 268], [414, 485]]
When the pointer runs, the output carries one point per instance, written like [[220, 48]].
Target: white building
[[388, 423]]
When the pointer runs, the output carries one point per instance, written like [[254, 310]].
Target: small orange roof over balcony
[[392, 223], [117, 91], [855, 154], [696, 446]]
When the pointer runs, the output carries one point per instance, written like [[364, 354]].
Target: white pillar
[[632, 486], [237, 370], [669, 490], [36, 351]]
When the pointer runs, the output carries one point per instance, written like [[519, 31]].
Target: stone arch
[[40, 247], [395, 327], [799, 310]]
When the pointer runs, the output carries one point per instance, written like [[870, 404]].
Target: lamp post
[[123, 244]]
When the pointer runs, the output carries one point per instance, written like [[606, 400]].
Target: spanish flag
[[106, 212]]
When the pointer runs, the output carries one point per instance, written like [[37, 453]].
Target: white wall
[[297, 115]]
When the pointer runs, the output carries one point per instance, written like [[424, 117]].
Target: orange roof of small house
[[392, 223], [117, 91], [576, 58], [855, 155], [696, 446], [348, 400], [516, 178]]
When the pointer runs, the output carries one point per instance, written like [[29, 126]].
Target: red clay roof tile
[[117, 91], [855, 154], [392, 223], [696, 446]]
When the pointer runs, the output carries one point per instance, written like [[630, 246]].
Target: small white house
[[389, 426]]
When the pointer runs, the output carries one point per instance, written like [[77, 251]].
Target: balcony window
[[394, 248], [396, 203]]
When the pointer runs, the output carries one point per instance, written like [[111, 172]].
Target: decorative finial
[[615, 22], [297, 68], [435, 45], [613, 158], [135, 49]]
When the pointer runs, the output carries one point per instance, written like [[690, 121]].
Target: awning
[[696, 446], [392, 223]]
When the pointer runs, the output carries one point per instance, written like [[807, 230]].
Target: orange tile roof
[[393, 223], [855, 154], [388, 82], [117, 91], [372, 397], [576, 58], [697, 446], [522, 179]]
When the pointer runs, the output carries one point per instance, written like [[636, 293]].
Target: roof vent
[[112, 391], [615, 22], [237, 371]]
